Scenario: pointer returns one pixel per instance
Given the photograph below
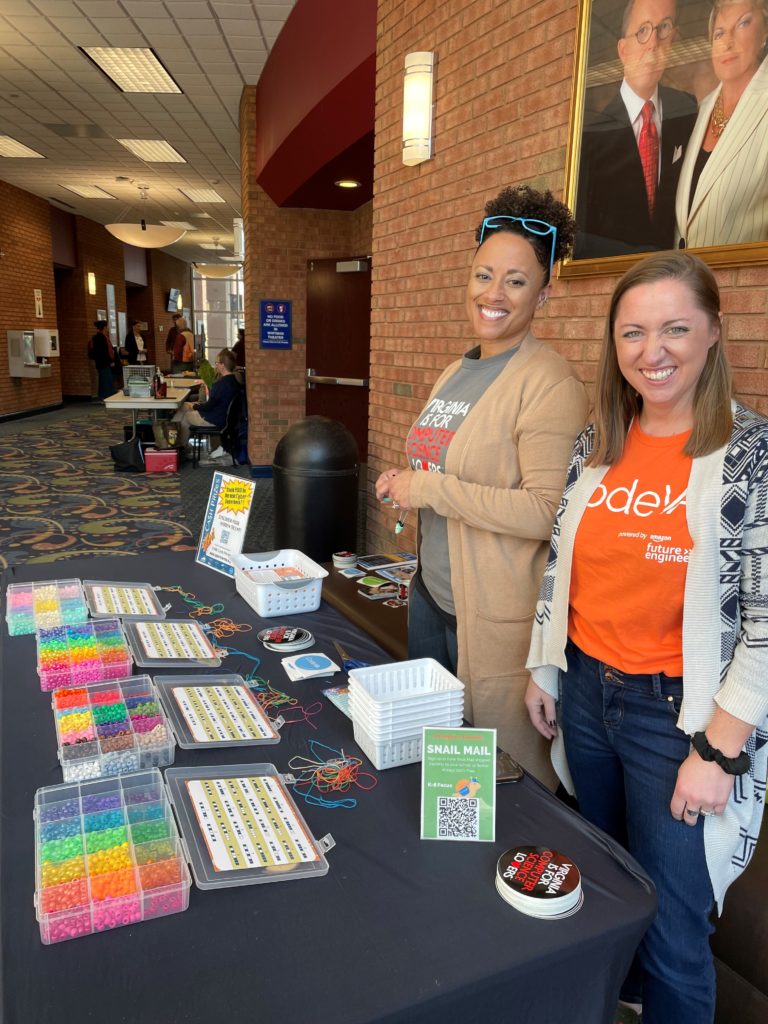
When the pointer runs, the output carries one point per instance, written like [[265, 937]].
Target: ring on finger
[[707, 814], [691, 813]]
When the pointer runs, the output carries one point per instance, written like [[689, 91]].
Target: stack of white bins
[[390, 704]]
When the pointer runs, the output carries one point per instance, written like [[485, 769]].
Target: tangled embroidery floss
[[320, 774], [272, 699]]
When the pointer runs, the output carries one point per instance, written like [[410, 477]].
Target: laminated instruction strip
[[249, 823], [220, 714], [174, 640], [115, 600]]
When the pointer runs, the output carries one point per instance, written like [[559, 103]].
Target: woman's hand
[[702, 786], [384, 483], [400, 488], [541, 709]]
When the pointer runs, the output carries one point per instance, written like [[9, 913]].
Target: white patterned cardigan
[[725, 617]]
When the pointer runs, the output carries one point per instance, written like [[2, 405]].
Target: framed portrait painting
[[668, 141]]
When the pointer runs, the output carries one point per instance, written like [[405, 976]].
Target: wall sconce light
[[417, 107], [91, 283]]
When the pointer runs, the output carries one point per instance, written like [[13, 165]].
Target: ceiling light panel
[[10, 147], [153, 151], [202, 195], [132, 68], [178, 224], [89, 191]]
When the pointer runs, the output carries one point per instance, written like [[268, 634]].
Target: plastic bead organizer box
[[107, 854]]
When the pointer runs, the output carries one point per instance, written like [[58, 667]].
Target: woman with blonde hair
[[722, 194], [651, 630]]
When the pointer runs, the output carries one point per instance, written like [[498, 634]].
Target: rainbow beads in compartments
[[75, 655], [107, 854], [111, 728], [33, 606]]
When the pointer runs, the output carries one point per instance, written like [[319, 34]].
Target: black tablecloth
[[399, 929]]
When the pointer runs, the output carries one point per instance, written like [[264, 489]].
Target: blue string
[[244, 654], [314, 798]]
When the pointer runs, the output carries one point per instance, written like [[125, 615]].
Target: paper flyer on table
[[458, 784], [225, 522]]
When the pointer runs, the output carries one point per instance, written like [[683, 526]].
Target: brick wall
[[25, 264], [149, 303], [502, 99], [99, 253], [278, 244]]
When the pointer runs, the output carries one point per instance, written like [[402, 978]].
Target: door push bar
[[353, 382]]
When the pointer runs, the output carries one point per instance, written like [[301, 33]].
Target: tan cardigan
[[505, 472]]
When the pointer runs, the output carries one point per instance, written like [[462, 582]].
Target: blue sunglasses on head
[[534, 227]]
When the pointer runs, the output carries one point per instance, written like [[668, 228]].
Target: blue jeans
[[429, 635], [624, 750]]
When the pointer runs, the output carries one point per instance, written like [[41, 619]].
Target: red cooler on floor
[[161, 460]]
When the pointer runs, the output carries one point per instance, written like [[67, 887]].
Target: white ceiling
[[212, 48]]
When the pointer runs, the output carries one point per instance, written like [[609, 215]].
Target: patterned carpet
[[60, 496]]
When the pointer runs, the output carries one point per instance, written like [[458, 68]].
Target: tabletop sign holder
[[458, 784], [225, 522], [214, 711], [240, 826]]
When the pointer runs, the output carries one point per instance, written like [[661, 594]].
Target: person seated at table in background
[[486, 467], [651, 629], [183, 348], [102, 352], [134, 345], [212, 412]]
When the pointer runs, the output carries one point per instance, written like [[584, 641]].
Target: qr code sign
[[458, 817]]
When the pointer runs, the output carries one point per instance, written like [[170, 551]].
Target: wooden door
[[339, 341]]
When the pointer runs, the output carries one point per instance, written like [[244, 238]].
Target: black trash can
[[314, 476]]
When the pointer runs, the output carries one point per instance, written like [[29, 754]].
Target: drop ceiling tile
[[18, 7], [231, 8], [97, 8], [56, 8], [141, 8], [240, 29], [187, 10]]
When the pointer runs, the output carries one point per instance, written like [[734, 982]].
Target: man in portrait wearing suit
[[632, 151]]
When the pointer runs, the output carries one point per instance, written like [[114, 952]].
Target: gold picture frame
[[598, 73]]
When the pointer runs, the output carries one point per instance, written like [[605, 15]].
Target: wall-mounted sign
[[112, 312], [39, 303], [275, 323]]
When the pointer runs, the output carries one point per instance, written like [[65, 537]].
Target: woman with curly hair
[[486, 466]]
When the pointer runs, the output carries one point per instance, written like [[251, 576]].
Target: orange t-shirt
[[630, 559]]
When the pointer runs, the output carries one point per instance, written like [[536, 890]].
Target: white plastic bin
[[284, 598]]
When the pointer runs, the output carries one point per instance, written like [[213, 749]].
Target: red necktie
[[648, 144]]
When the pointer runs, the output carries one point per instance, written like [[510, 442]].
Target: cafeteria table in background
[[399, 930], [174, 398]]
